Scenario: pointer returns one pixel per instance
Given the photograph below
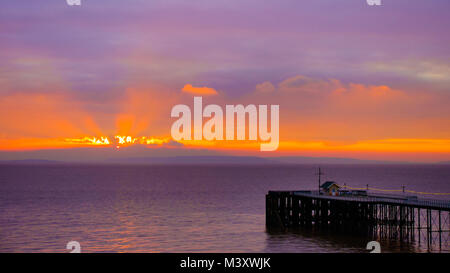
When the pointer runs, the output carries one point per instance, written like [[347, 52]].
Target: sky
[[352, 80]]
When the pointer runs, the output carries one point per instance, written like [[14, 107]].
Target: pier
[[375, 216]]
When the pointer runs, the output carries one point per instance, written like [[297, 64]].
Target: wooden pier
[[374, 216]]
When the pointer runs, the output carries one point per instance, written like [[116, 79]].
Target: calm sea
[[110, 208]]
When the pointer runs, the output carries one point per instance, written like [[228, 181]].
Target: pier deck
[[396, 217]]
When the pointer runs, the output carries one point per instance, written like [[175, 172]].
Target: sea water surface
[[122, 208]]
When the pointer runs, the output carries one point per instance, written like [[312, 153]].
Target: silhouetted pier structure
[[393, 217]]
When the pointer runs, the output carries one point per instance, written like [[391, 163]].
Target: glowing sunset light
[[117, 140], [89, 140], [125, 139], [145, 140]]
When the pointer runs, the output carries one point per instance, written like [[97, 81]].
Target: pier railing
[[395, 200]]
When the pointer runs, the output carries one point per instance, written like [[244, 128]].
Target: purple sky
[[102, 46]]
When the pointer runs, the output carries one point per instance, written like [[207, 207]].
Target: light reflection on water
[[176, 208]]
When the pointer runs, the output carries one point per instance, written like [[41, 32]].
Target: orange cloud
[[325, 117], [378, 145], [413, 150], [145, 111], [43, 115], [34, 143], [265, 87], [206, 91], [329, 109]]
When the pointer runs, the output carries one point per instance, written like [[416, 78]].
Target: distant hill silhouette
[[197, 160], [238, 160], [31, 161]]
